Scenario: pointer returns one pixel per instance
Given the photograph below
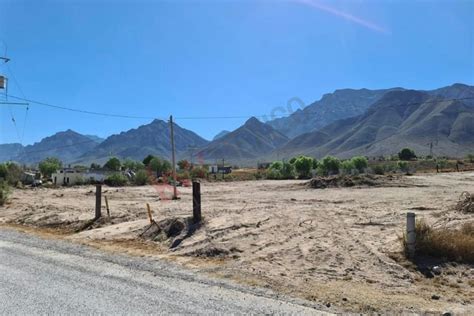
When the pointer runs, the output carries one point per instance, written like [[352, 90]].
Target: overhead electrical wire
[[191, 117]]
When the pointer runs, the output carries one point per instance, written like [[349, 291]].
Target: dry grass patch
[[450, 244]]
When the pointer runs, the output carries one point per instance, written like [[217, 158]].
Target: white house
[[67, 176]]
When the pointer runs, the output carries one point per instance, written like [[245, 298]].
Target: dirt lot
[[339, 246]]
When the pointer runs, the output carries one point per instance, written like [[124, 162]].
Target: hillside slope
[[153, 138], [400, 119], [251, 140]]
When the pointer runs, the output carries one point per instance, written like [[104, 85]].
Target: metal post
[[196, 201], [98, 201], [411, 235], [173, 158]]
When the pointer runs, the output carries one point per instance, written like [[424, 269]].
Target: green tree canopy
[[303, 166], [360, 163], [147, 160], [407, 154], [276, 165], [133, 165], [159, 165], [113, 164], [330, 165], [287, 170], [49, 165]]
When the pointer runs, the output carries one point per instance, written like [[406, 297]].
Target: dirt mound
[[466, 203], [351, 181]]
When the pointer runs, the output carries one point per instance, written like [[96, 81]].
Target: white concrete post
[[411, 234]]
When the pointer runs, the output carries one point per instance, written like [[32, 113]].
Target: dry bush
[[449, 244], [466, 203]]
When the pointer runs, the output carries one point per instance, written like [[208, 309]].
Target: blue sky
[[217, 58]]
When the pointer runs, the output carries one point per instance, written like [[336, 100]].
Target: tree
[[147, 160], [360, 163], [303, 166], [133, 165], [113, 164], [407, 154], [49, 165], [347, 166], [159, 166], [287, 170], [330, 165], [276, 165], [94, 166], [184, 164], [14, 173], [470, 158]]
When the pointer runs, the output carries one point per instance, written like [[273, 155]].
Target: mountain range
[[343, 123]]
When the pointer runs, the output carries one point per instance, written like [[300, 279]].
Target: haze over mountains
[[344, 123]]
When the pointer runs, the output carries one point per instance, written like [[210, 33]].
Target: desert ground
[[336, 246]]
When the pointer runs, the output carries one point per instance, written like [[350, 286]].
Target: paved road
[[48, 276]]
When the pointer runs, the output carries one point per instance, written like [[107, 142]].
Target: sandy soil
[[338, 246]]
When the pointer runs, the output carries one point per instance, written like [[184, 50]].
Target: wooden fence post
[[150, 217], [107, 206], [196, 201], [411, 234], [98, 201]]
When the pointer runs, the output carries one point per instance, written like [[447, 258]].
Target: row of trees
[[304, 167]]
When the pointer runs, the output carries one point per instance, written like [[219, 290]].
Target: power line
[[273, 116], [23, 94], [81, 111]]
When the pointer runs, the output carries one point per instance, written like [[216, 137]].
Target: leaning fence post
[[107, 206], [196, 201], [150, 217], [98, 200], [411, 234]]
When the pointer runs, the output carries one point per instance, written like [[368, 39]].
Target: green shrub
[[470, 158], [14, 173], [276, 165], [330, 165], [199, 173], [378, 169], [303, 166], [3, 171], [274, 174], [287, 171], [347, 166], [116, 180], [141, 178], [360, 163], [4, 192], [404, 167]]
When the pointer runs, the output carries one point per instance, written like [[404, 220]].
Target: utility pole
[[173, 158]]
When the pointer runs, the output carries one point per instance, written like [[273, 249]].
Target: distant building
[[67, 176], [70, 176], [219, 169]]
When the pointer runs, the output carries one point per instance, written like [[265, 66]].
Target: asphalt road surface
[[43, 276]]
